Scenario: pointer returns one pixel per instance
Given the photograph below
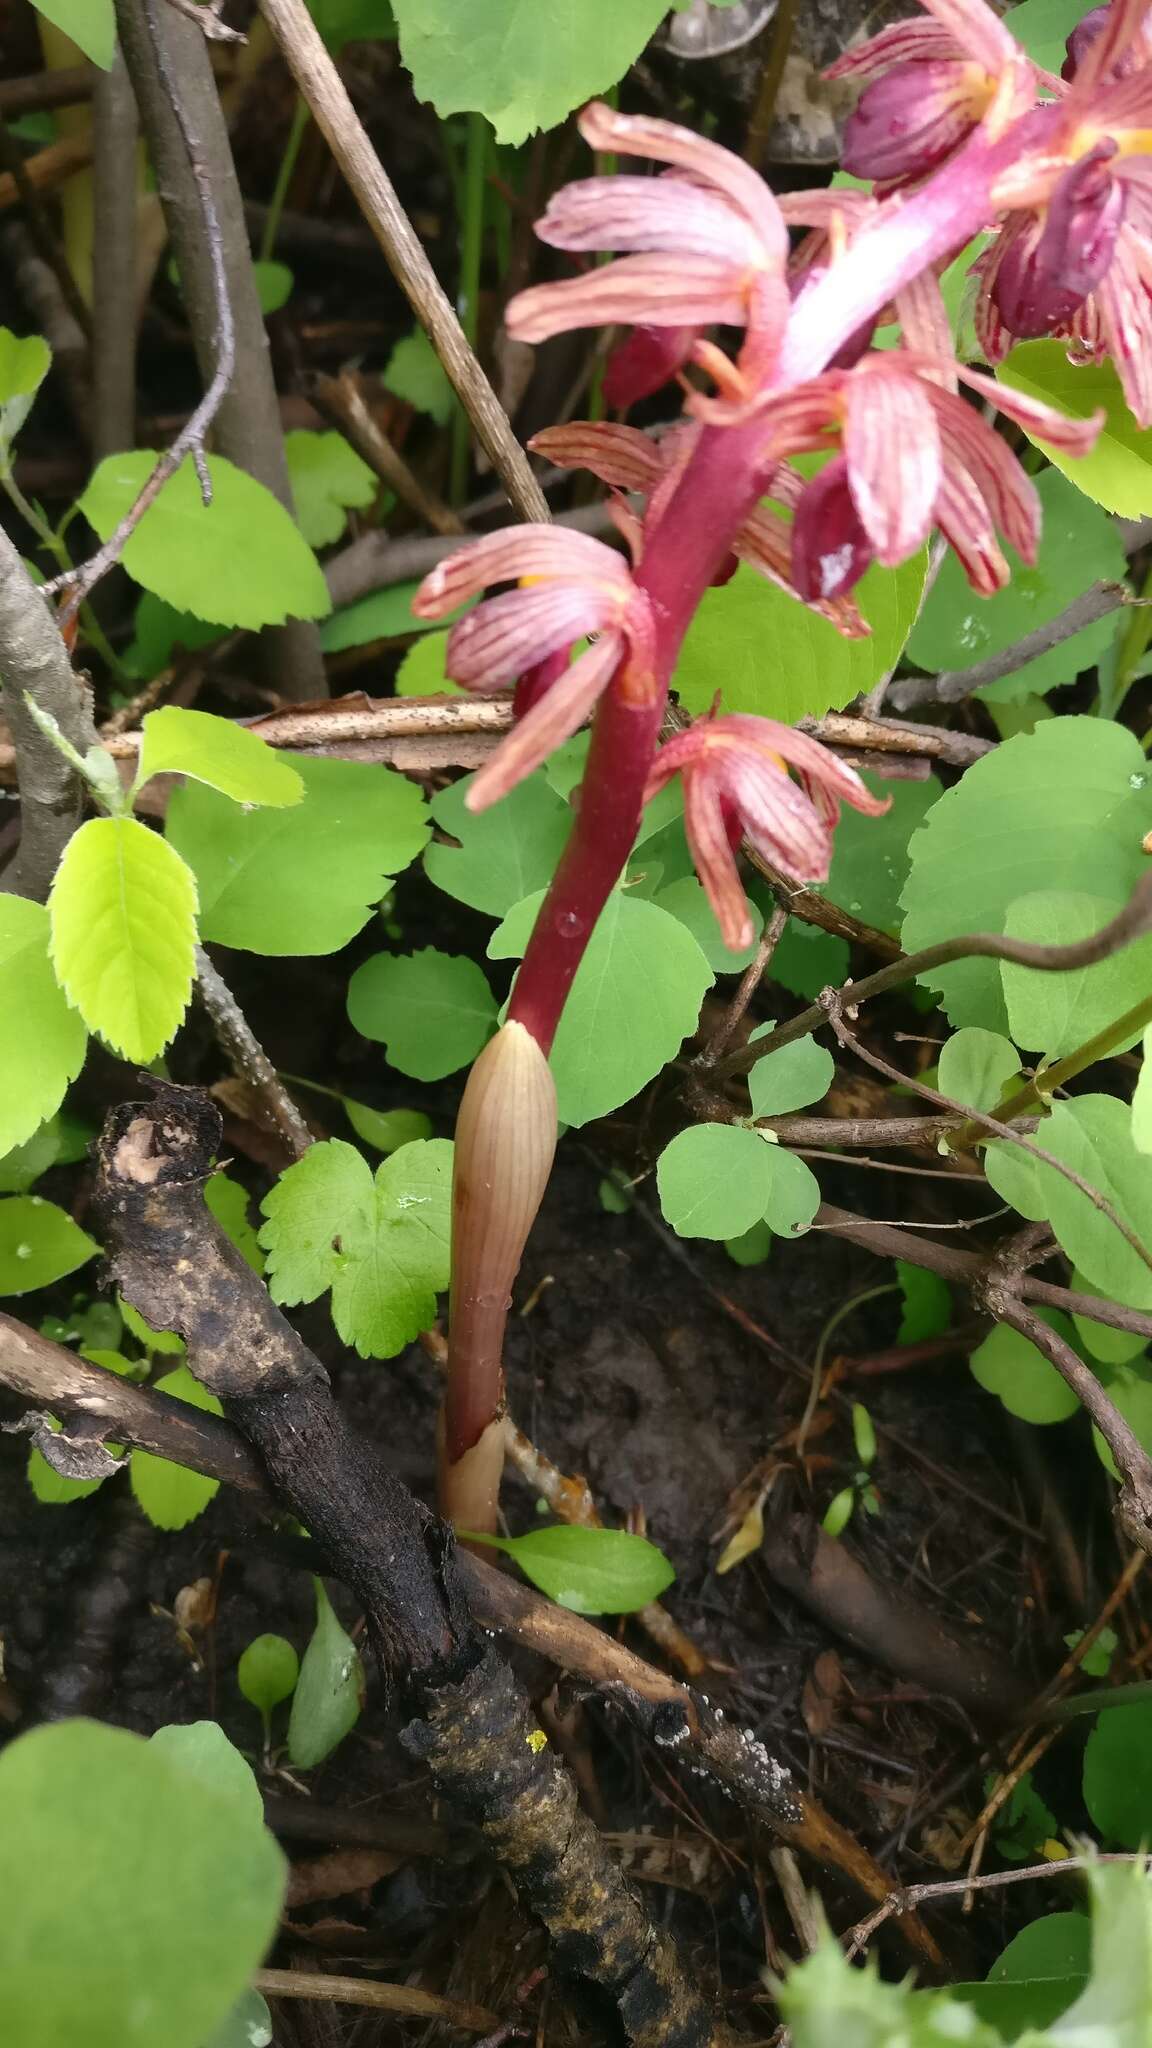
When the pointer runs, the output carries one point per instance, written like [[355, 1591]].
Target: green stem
[[468, 290], [300, 119], [1045, 1085]]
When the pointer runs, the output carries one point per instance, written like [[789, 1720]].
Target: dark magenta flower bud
[[906, 122], [1048, 271], [830, 549], [1084, 34], [644, 362]]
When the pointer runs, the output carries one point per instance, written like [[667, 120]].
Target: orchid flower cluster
[[961, 134]]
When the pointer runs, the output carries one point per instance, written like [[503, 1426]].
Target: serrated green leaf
[[1113, 2009], [590, 1571], [386, 1129], [1092, 1134], [228, 1202], [870, 859], [976, 1066], [829, 2004], [1009, 1366], [380, 1243], [91, 25], [415, 373], [159, 633], [422, 674], [1118, 1774], [157, 1945], [1079, 545], [798, 1074], [267, 1671], [635, 998], [25, 361], [927, 1308], [768, 653], [1118, 472], [686, 900], [240, 561], [714, 1180], [173, 1495], [304, 880], [329, 1693], [219, 752], [523, 63], [39, 1243], [123, 915], [42, 1040], [1064, 807], [1055, 1013], [327, 478], [505, 853], [431, 1011]]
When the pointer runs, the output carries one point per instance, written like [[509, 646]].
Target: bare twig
[[342, 400], [749, 983], [114, 276], [909, 1896], [1095, 603], [46, 170], [247, 1056], [47, 89], [377, 1997], [34, 663], [321, 85]]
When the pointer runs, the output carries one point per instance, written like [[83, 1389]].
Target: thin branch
[[907, 1897], [749, 983], [190, 441], [321, 85], [890, 736], [114, 181], [34, 663], [249, 1060], [1095, 603], [44, 90], [341, 400], [376, 1997]]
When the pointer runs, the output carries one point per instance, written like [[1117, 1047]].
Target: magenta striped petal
[[554, 718], [978, 31], [906, 42], [695, 291], [963, 519], [494, 645], [779, 820], [743, 731], [1060, 429], [970, 443], [924, 321], [638, 135], [646, 360], [714, 860], [912, 118], [892, 444], [1121, 31], [1124, 301], [515, 552], [618, 455], [648, 213]]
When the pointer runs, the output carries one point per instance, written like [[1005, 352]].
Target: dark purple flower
[[1048, 271]]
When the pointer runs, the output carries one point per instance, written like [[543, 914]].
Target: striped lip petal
[[964, 520], [1124, 300], [892, 445], [554, 718], [1070, 434], [830, 549], [497, 642], [707, 834], [770, 738], [968, 442], [637, 135], [628, 213], [514, 552], [979, 32], [906, 42], [1048, 272], [618, 455], [695, 291]]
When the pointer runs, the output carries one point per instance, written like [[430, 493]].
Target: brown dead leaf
[[335, 1875], [822, 1689]]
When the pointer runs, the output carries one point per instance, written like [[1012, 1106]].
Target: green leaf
[[219, 752], [228, 1202], [1010, 1366], [1023, 1824], [172, 1495], [431, 1011], [240, 561], [108, 1938], [1039, 1974], [1055, 1013], [352, 21], [123, 913], [203, 1752], [523, 63], [1043, 27], [590, 1571], [304, 880], [1113, 2009], [506, 852], [381, 1243], [327, 477], [382, 615], [1142, 1098], [1064, 807], [274, 282], [421, 673], [976, 1066], [164, 1342], [329, 1693], [807, 959], [752, 1247], [1099, 1340], [42, 1040], [767, 653], [686, 900], [795, 1194], [870, 859], [1092, 1134], [1118, 472], [415, 373], [635, 998], [25, 361], [1130, 1391], [786, 1080], [249, 2023], [386, 1129], [39, 1243], [1118, 1774], [715, 1180], [927, 1304], [829, 2004], [22, 1167], [267, 1672], [159, 633], [91, 24], [1079, 545]]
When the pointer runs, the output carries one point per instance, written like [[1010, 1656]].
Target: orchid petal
[[963, 519], [978, 31], [715, 862], [892, 444], [492, 646], [808, 756], [648, 213], [638, 135], [1071, 435], [909, 120], [1119, 34], [512, 553], [697, 291], [618, 455], [644, 362], [830, 549], [970, 443], [552, 720], [1124, 299], [905, 42]]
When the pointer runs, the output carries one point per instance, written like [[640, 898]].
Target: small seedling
[[266, 1674]]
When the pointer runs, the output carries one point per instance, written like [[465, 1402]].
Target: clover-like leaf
[[327, 478]]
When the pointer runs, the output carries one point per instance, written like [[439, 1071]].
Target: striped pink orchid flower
[[705, 243], [568, 586], [734, 773]]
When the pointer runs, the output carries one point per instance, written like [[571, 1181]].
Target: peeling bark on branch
[[34, 660]]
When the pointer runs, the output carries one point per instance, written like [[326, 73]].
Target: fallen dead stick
[[368, 1991], [58, 1383]]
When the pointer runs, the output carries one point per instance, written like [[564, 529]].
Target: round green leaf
[[432, 1011], [869, 869], [386, 1129], [715, 1180], [1008, 1365], [794, 1196], [39, 1243], [421, 673], [591, 1571], [267, 1671], [1091, 1134], [123, 912], [172, 1495], [42, 1040], [219, 752], [109, 1938], [1039, 1974], [1130, 1391], [1055, 1013], [1100, 1340], [1118, 1774], [976, 1066], [504, 854], [327, 476], [789, 1079], [752, 1247], [274, 282], [240, 561], [415, 373]]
